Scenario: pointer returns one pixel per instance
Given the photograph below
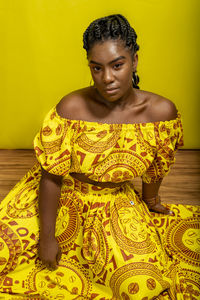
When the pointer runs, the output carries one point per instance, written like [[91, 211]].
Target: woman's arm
[[150, 197], [49, 194]]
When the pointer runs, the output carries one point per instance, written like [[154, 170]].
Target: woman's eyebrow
[[111, 62]]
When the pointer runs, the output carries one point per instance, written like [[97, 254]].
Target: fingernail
[[171, 213]]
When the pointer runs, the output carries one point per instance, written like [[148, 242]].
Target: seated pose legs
[[75, 226]]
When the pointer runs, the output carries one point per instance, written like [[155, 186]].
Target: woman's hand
[[152, 199], [49, 194], [154, 204], [159, 208], [49, 253]]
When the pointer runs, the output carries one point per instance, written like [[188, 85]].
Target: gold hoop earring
[[135, 80]]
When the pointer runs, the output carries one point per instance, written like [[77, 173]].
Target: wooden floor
[[182, 185]]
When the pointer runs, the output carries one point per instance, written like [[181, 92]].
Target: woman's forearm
[[49, 194], [151, 197]]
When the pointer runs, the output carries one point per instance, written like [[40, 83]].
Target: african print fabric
[[112, 246]]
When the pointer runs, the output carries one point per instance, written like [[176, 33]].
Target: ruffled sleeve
[[53, 143], [169, 138]]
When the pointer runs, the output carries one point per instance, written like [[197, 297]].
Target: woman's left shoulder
[[161, 108]]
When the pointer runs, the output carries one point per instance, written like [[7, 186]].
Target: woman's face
[[112, 65]]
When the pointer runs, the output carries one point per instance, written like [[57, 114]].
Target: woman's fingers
[[49, 253], [50, 265], [161, 209], [53, 265]]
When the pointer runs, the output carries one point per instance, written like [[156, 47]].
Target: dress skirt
[[112, 246]]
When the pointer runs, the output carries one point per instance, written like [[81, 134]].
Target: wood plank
[[13, 166], [182, 185]]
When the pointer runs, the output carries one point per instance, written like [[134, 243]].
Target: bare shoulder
[[161, 108], [72, 104]]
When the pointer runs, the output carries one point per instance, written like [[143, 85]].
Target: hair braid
[[112, 27]]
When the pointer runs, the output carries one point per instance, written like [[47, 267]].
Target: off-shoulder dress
[[112, 246]]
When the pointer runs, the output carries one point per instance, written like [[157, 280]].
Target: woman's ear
[[135, 62]]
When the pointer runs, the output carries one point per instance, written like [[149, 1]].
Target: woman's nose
[[108, 76]]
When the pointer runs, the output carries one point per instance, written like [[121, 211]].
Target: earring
[[135, 80]]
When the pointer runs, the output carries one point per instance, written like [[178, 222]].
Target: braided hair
[[112, 27]]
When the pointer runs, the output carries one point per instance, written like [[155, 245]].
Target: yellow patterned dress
[[112, 246]]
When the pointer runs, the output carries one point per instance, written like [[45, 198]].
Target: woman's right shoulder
[[73, 103]]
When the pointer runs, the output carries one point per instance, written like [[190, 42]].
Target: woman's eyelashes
[[96, 68], [118, 65], [115, 67]]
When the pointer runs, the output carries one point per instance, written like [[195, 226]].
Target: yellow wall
[[41, 57]]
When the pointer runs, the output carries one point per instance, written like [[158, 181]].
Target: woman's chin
[[110, 97]]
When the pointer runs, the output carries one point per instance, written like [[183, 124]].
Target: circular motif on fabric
[[68, 221], [151, 284], [10, 250], [190, 283], [69, 279], [119, 175], [183, 240], [127, 229], [133, 288], [130, 164], [24, 204], [126, 279], [95, 246]]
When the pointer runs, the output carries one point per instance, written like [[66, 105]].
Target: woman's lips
[[111, 91]]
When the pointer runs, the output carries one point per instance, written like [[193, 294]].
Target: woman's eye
[[117, 66], [96, 68]]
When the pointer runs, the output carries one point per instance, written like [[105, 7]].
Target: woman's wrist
[[46, 238], [47, 234], [152, 201]]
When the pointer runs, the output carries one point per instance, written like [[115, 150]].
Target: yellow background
[[42, 59]]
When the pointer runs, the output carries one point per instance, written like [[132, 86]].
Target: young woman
[[75, 227]]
